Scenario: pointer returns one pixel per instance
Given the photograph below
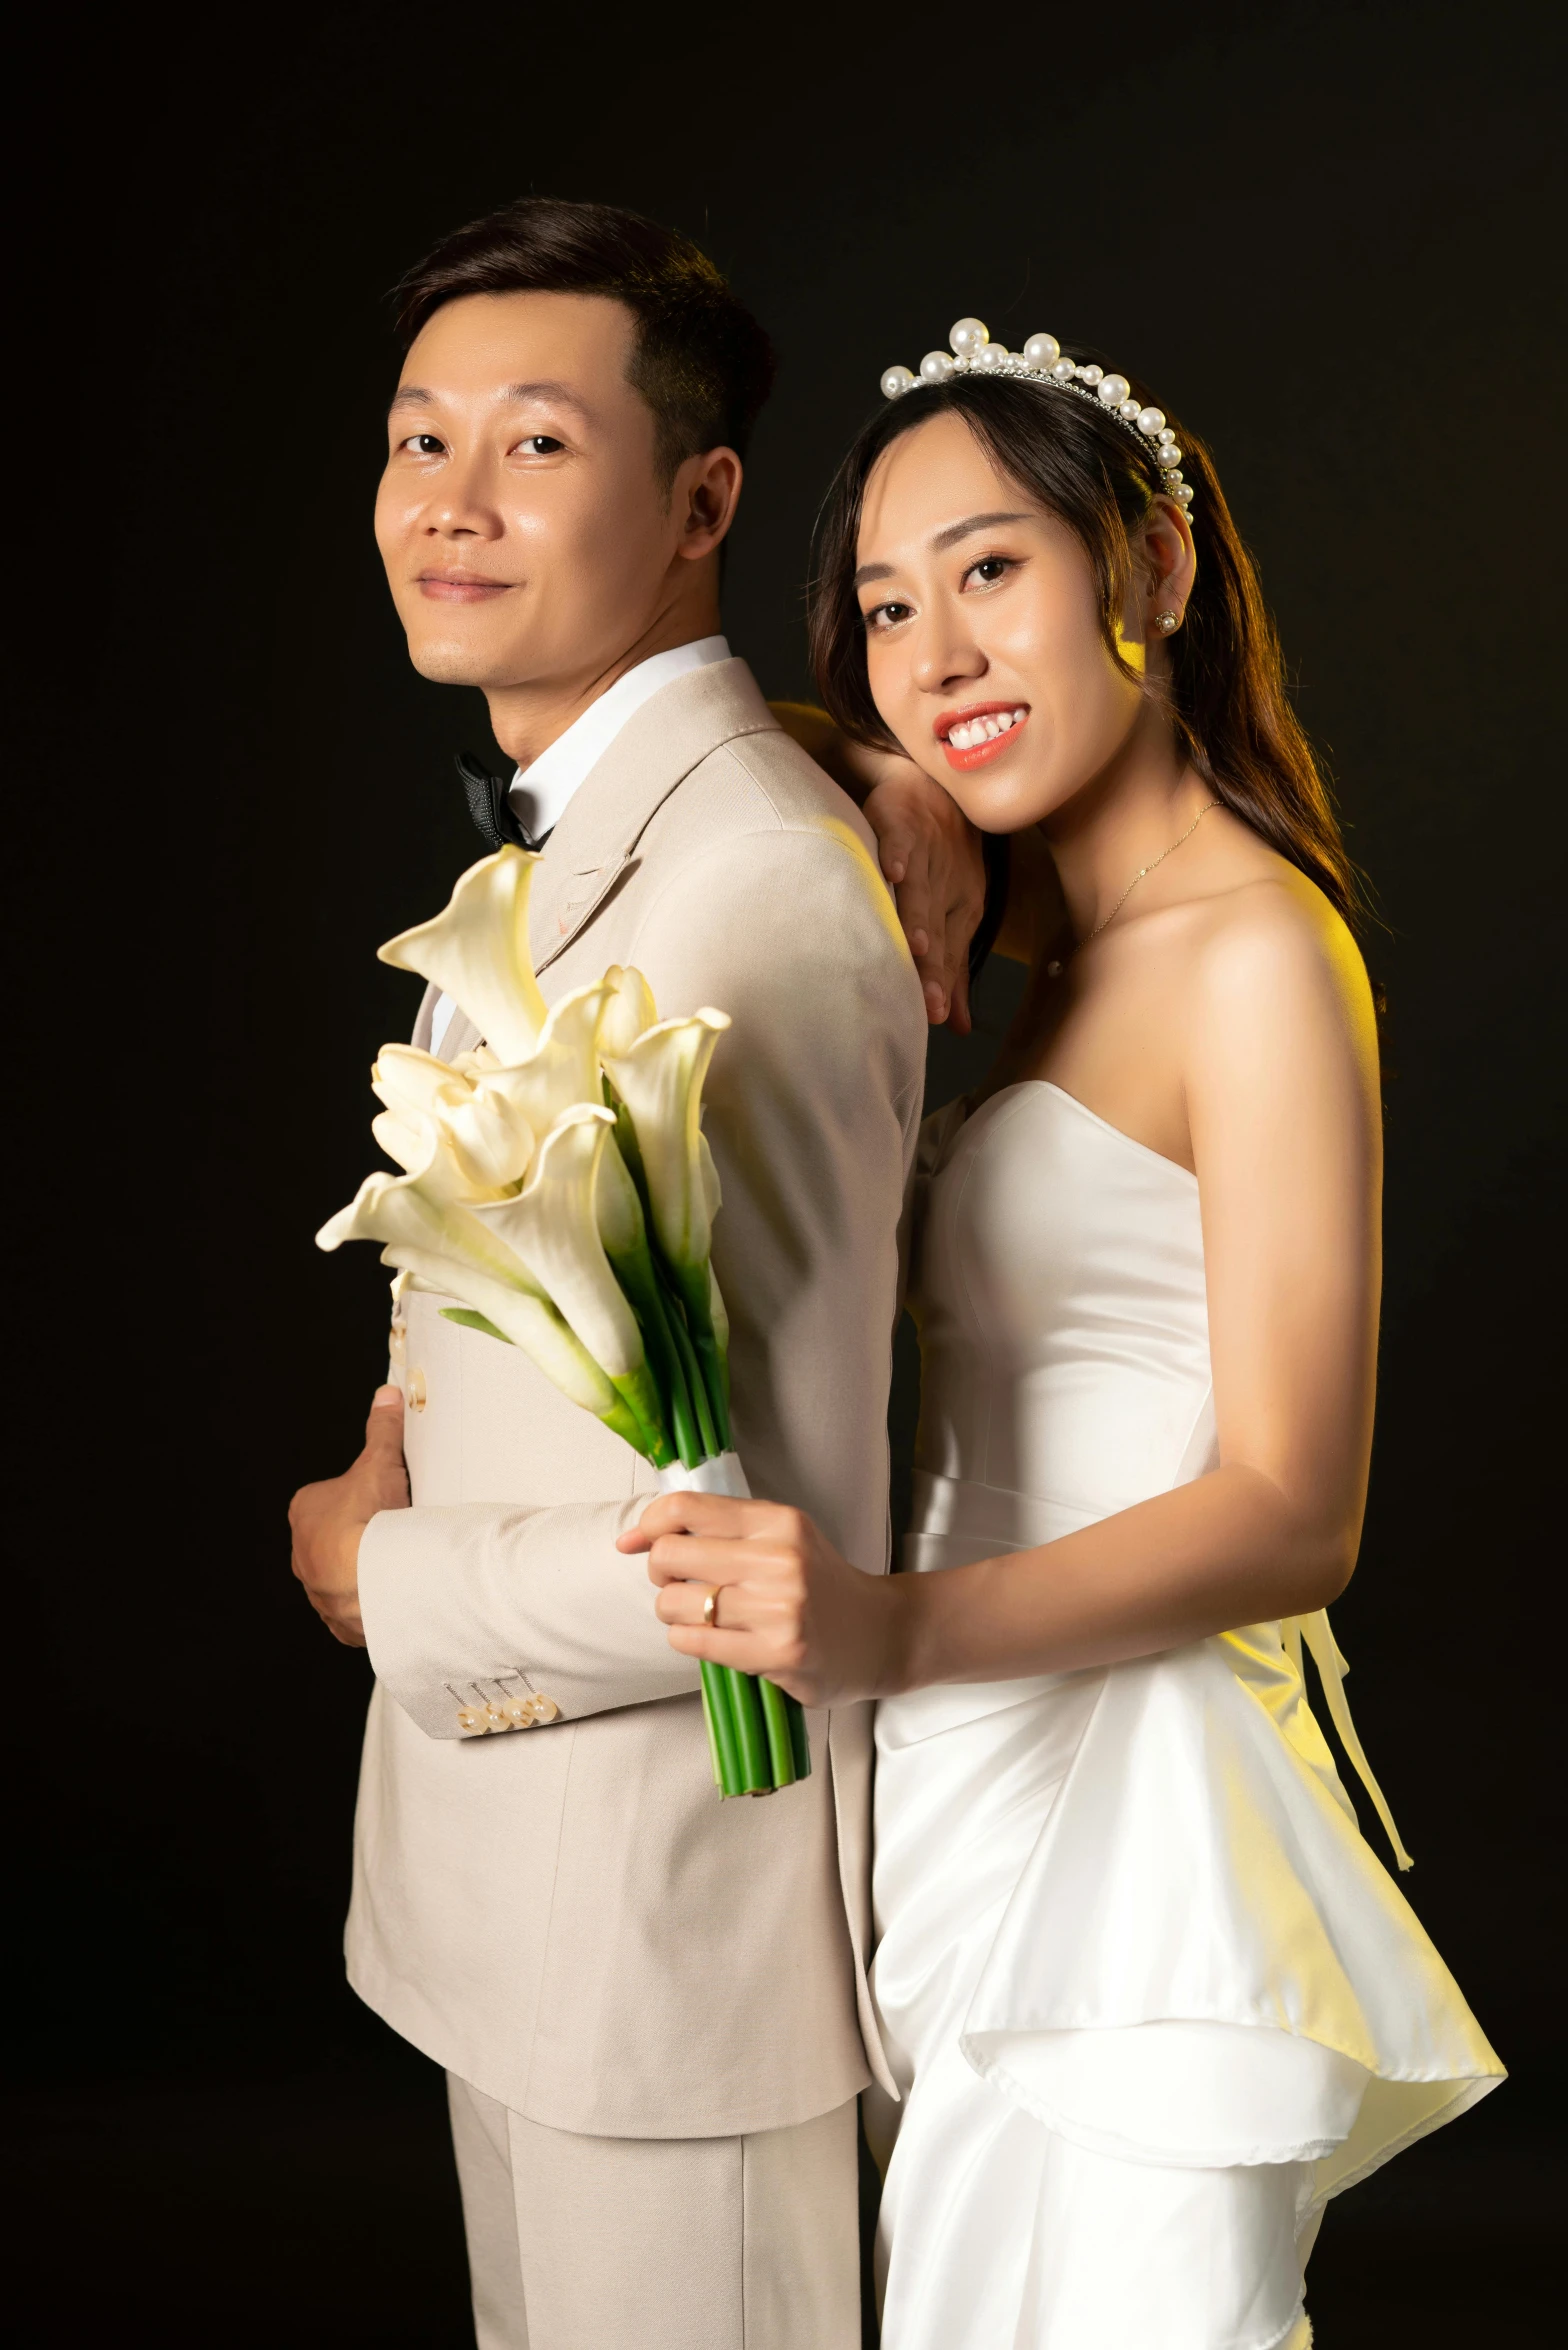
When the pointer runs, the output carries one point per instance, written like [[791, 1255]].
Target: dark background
[[1325, 234]]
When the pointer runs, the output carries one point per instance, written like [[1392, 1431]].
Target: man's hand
[[328, 1519], [786, 1604]]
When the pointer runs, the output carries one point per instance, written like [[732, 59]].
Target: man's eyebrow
[[943, 539], [560, 394]]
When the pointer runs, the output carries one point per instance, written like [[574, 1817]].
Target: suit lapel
[[595, 843]]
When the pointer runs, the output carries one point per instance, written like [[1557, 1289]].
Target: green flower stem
[[620, 1422], [629, 1147], [693, 1285], [781, 1747], [798, 1738], [694, 1381], [688, 1435], [750, 1736], [715, 1379], [633, 1269], [721, 1730], [640, 1394]]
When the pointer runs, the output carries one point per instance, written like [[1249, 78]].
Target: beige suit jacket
[[569, 1917]]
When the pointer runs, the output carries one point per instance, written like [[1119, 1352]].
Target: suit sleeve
[[811, 1108]]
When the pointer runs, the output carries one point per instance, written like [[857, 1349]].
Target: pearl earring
[[1165, 622]]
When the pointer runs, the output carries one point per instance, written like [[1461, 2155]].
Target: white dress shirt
[[540, 794]]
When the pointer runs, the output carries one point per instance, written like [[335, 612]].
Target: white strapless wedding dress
[[1148, 1994]]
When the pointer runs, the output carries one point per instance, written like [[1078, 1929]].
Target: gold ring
[[710, 1608]]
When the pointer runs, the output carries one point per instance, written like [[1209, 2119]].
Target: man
[[651, 2005]]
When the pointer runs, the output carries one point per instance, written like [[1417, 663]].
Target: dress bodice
[[1058, 1286]]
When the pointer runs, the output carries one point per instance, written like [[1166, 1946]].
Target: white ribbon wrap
[[724, 1475]]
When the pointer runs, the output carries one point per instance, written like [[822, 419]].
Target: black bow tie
[[489, 804]]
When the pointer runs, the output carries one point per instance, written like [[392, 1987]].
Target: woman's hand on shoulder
[[930, 854], [787, 1605]]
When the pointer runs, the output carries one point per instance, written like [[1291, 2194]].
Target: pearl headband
[[1042, 362]]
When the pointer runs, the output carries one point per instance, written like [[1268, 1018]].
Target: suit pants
[[579, 2243]]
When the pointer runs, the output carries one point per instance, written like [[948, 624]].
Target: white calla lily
[[409, 1145], [408, 1081], [660, 1081], [552, 1225], [490, 1140], [444, 1245], [477, 952], [629, 1009], [431, 1155], [563, 1067], [400, 1140]]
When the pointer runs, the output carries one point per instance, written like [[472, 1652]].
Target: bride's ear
[[1165, 567]]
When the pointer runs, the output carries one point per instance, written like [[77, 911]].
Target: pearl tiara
[[1042, 361]]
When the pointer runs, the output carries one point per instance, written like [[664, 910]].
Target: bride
[[1149, 1996]]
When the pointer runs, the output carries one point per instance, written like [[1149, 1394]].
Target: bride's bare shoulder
[[1271, 953]]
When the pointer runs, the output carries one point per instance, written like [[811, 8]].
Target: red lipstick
[[977, 741]]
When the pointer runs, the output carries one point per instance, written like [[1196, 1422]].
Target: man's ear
[[705, 493]]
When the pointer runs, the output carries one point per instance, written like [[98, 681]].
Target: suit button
[[546, 1709], [414, 1390], [397, 1342], [519, 1712], [495, 1716], [471, 1720]]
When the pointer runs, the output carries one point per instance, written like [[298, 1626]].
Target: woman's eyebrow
[[943, 539], [961, 530]]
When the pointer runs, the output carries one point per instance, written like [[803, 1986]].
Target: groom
[[651, 2004]]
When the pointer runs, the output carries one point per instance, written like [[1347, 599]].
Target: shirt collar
[[539, 794]]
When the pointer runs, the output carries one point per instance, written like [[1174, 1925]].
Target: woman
[[1148, 1994]]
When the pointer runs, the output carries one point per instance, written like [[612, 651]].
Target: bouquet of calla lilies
[[556, 1181]]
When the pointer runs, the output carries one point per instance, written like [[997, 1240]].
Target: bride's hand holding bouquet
[[756, 1586]]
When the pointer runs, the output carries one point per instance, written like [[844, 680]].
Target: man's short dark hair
[[700, 359]]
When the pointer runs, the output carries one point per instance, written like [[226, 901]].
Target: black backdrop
[[1325, 233]]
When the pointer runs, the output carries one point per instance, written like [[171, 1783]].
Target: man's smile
[[455, 586]]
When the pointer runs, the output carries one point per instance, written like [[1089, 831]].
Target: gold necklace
[[1055, 970]]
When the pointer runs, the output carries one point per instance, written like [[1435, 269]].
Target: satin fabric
[[1148, 1995]]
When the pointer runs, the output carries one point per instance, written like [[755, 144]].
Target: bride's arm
[[929, 852], [1283, 1106]]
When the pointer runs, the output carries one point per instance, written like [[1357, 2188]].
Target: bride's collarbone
[[1109, 1029], [1111, 1022]]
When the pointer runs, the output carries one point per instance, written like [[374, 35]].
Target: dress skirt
[[1149, 1994]]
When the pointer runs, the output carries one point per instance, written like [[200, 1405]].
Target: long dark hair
[[1228, 692]]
